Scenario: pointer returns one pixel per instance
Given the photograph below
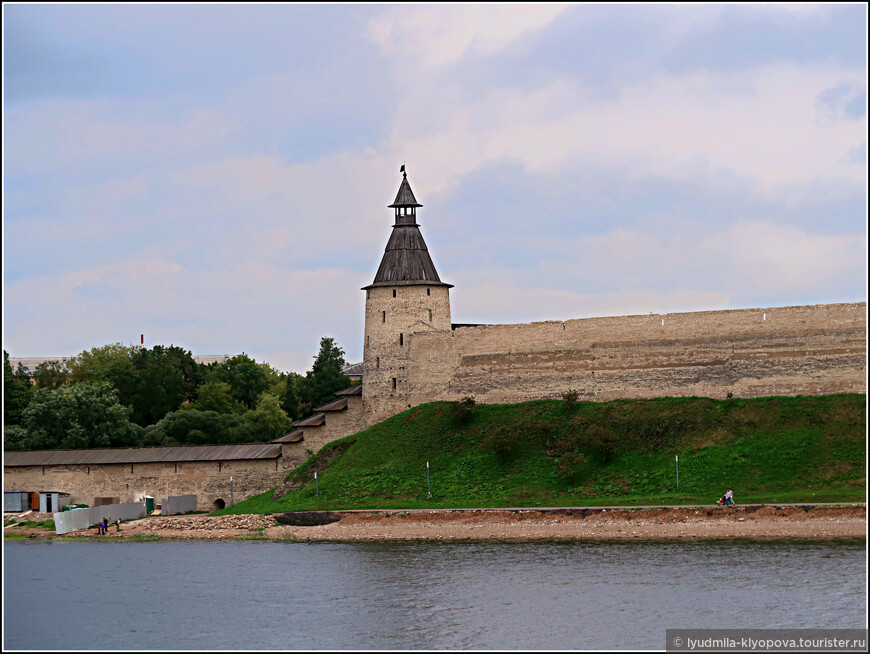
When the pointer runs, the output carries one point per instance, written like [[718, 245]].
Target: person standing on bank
[[729, 498]]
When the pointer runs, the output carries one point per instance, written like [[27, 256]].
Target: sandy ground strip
[[678, 523]]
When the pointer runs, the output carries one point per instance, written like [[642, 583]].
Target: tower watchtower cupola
[[405, 203]]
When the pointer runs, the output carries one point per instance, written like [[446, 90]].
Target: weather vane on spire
[[402, 170]]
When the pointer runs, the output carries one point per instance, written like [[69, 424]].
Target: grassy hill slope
[[547, 453]]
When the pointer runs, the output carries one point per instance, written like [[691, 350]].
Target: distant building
[[354, 371]]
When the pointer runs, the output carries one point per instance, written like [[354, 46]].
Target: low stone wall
[[208, 480]]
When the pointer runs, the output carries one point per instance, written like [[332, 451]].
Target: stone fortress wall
[[208, 480], [413, 355], [803, 350]]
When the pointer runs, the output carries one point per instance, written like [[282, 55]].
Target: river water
[[420, 595]]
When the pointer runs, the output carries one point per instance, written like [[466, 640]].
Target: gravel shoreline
[[679, 523]]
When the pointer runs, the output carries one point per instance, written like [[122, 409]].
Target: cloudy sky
[[217, 176]]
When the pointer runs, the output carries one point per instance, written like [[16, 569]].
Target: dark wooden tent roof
[[311, 421], [405, 196], [406, 260], [336, 405], [356, 389], [143, 455], [295, 436]]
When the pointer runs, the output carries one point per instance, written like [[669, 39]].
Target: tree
[[216, 396], [193, 427], [16, 393], [325, 377], [275, 378], [159, 386], [80, 416], [151, 382], [111, 363], [290, 398], [268, 420], [50, 374], [245, 377]]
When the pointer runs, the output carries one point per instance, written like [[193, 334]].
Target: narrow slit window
[[394, 383], [401, 339], [383, 316], [378, 362], [430, 315], [428, 291], [394, 292]]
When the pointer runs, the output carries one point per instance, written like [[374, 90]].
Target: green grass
[[44, 524], [776, 449], [13, 536], [144, 538]]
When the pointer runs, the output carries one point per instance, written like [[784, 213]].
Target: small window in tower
[[430, 315], [383, 316], [394, 383], [401, 339], [428, 291], [378, 362], [394, 292]]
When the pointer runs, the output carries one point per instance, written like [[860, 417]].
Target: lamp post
[[428, 483], [316, 485], [232, 502], [678, 471]]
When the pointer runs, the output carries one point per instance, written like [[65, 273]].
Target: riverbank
[[661, 523]]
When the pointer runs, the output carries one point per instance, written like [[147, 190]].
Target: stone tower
[[407, 296]]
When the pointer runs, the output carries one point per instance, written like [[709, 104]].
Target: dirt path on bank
[[671, 523]]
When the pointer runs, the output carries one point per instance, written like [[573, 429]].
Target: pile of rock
[[191, 523]]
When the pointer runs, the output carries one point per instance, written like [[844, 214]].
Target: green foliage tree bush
[[216, 396], [268, 420], [290, 398], [570, 464], [324, 378], [78, 417], [246, 379], [193, 427], [501, 441], [463, 410], [603, 442], [16, 393], [570, 396], [50, 374]]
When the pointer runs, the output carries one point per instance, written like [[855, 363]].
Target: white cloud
[[50, 136], [758, 124], [438, 35], [784, 258]]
